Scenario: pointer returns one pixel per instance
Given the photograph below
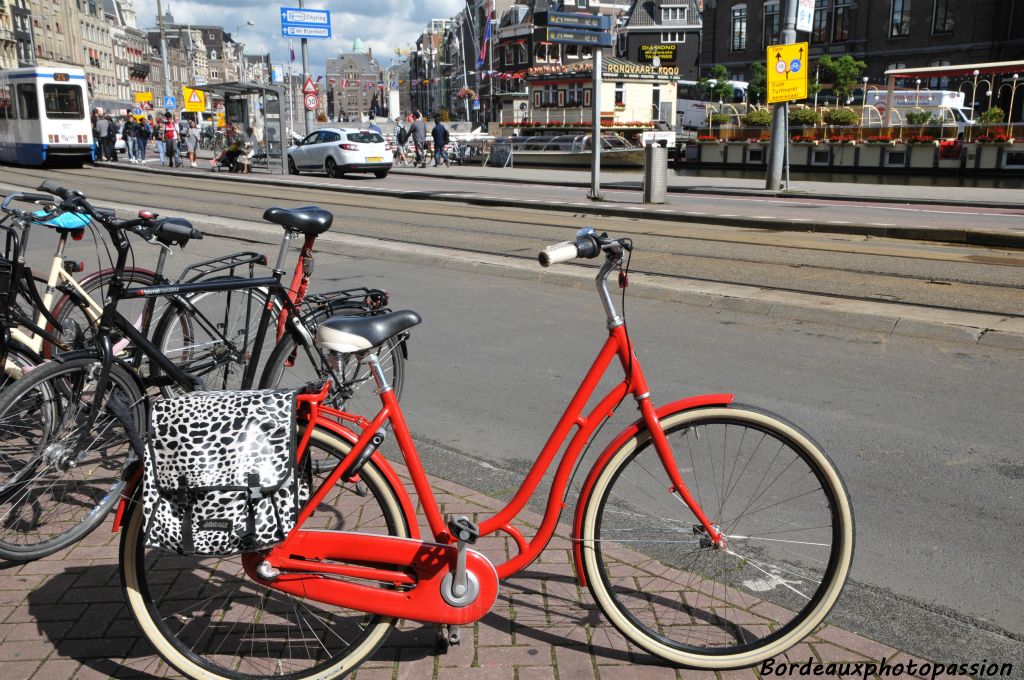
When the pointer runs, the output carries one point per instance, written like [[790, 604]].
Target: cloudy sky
[[382, 25]]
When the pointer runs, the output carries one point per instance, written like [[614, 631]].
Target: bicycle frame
[[424, 601]]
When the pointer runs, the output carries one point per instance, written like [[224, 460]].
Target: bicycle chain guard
[[313, 564]]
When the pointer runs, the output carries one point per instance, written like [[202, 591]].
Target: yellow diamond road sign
[[195, 100], [787, 72]]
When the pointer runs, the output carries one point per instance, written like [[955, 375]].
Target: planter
[[713, 153], [988, 156], [895, 156], [871, 155], [844, 155], [923, 156], [1013, 156]]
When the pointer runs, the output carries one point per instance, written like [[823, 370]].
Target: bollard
[[655, 173]]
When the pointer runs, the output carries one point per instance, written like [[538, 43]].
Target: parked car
[[337, 151]]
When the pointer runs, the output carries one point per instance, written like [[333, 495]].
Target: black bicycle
[[66, 428]]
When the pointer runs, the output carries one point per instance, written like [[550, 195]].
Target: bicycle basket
[[6, 276], [219, 474]]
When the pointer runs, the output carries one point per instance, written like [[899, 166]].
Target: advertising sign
[[787, 72], [298, 22], [645, 54]]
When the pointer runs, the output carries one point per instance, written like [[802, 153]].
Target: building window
[[673, 13], [899, 18], [772, 27], [819, 27], [942, 17], [739, 28], [942, 82], [620, 94], [574, 95], [673, 37], [842, 20], [509, 56]]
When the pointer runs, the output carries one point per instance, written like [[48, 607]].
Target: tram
[[44, 116]]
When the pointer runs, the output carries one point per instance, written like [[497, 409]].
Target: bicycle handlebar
[[588, 245]]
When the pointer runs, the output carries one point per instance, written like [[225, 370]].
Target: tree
[[757, 83], [717, 86], [845, 73]]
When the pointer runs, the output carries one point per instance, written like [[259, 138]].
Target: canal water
[[993, 182]]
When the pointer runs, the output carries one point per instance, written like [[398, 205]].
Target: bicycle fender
[[686, 404]]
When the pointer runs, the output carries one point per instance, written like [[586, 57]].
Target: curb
[[937, 234], [726, 191], [985, 330]]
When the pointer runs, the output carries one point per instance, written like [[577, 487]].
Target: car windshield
[[365, 137]]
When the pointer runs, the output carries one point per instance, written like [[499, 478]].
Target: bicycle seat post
[[282, 254]]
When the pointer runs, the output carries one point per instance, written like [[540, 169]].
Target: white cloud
[[382, 25]]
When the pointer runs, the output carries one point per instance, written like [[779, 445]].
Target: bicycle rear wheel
[[207, 619], [54, 491], [786, 517]]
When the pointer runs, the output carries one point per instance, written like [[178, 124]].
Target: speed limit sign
[[311, 102]]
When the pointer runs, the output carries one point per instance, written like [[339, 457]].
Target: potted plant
[[757, 118], [841, 117]]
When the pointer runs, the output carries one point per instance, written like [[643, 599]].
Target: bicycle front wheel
[[208, 620], [775, 496], [57, 480]]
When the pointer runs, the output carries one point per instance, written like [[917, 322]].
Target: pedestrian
[[128, 135], [192, 142], [100, 134], [418, 132], [171, 140], [401, 137], [143, 133], [158, 138], [440, 135], [111, 138], [374, 128]]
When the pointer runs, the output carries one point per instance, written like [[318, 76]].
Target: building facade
[[21, 19], [56, 32], [356, 86], [668, 30], [883, 33], [8, 43]]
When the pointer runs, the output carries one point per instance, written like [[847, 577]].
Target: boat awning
[[987, 68]]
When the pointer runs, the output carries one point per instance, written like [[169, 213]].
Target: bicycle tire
[[657, 578], [51, 494], [306, 368], [215, 591], [190, 344], [65, 308], [22, 358]]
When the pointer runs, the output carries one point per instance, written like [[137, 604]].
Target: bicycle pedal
[[463, 529]]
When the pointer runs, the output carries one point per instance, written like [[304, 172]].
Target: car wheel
[[331, 167], [292, 170], [380, 174]]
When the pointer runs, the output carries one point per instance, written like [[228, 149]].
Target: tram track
[[974, 279]]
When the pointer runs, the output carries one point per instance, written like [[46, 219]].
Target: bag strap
[[187, 543]]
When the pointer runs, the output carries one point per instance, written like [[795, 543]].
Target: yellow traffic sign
[[195, 100], [787, 72], [144, 100], [220, 119]]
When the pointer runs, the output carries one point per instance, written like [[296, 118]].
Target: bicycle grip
[[560, 252]]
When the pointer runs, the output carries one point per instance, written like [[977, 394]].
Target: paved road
[[922, 274], [926, 434]]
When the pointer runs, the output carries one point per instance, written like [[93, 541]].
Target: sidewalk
[[889, 189], [63, 617]]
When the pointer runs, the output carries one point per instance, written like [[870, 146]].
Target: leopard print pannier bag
[[220, 475]]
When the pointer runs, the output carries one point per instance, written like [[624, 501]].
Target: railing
[[992, 133]]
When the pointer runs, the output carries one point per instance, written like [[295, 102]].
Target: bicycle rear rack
[[227, 263], [367, 299]]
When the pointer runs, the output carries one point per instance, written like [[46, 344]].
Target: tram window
[[63, 101], [6, 104], [28, 105]]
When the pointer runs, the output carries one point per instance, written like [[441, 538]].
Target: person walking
[[192, 142], [100, 131], [171, 141], [110, 139], [440, 135], [158, 138], [401, 137], [128, 135], [143, 133], [418, 132]]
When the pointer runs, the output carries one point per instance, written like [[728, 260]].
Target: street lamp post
[[241, 49]]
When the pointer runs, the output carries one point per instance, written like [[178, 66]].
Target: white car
[[337, 151]]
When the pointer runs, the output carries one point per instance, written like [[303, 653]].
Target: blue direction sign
[[305, 23], [573, 37], [580, 20], [170, 103]]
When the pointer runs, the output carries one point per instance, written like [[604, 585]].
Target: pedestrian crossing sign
[[195, 100]]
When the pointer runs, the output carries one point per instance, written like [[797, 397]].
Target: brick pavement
[[63, 617]]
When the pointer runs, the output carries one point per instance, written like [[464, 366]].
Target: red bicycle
[[711, 534]]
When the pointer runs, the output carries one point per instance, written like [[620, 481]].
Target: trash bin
[[655, 173]]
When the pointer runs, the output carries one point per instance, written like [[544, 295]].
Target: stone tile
[[53, 669], [18, 669], [373, 673], [416, 664], [575, 663], [521, 655], [536, 673], [501, 673], [26, 650], [856, 643]]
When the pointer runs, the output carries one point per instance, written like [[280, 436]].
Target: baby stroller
[[228, 158]]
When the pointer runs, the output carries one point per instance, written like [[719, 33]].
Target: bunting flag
[[482, 59]]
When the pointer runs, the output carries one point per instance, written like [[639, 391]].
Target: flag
[[291, 48], [482, 59]]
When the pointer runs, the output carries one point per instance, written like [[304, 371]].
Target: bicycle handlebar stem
[[610, 262]]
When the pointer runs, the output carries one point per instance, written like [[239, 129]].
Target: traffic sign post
[[298, 22], [787, 72], [311, 101], [805, 15], [170, 103], [195, 100]]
